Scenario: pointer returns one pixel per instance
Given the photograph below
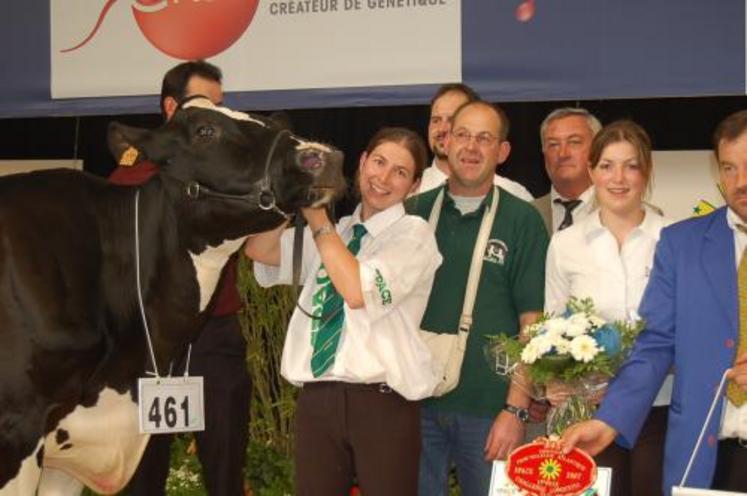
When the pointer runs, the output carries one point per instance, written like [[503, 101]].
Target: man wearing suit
[[566, 135], [694, 316]]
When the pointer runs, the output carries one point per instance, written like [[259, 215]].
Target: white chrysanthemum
[[584, 348], [544, 343], [562, 345], [555, 326], [595, 321], [530, 353], [534, 329], [578, 325], [581, 318]]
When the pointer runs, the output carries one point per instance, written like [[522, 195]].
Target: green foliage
[[264, 321], [583, 305], [185, 474], [553, 366], [269, 471]]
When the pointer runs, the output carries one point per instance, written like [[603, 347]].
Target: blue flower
[[608, 337]]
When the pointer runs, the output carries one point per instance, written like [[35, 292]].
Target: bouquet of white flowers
[[568, 359]]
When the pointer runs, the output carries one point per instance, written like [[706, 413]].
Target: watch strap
[[520, 413]]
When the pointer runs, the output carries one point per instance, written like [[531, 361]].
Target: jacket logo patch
[[496, 252], [384, 293]]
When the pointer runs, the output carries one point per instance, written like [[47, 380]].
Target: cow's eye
[[205, 132]]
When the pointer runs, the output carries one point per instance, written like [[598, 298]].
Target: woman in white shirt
[[607, 257], [360, 362]]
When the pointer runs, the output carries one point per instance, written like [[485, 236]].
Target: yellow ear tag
[[129, 157]]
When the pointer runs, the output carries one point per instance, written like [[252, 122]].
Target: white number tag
[[171, 404]]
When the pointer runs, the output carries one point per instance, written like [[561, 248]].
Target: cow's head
[[230, 170]]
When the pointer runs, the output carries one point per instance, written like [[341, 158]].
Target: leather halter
[[265, 199]]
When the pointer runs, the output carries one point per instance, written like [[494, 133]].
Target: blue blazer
[[691, 312]]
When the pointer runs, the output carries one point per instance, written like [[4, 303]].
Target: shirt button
[[730, 343], [711, 440]]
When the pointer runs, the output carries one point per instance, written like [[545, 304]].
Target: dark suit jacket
[[544, 207]]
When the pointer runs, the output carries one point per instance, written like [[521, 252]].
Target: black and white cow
[[72, 342]]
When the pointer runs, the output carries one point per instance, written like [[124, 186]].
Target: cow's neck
[[179, 271], [208, 266]]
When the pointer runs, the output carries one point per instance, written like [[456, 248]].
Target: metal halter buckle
[[266, 200], [193, 190]]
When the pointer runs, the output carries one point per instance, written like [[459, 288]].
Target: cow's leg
[[26, 480], [56, 482]]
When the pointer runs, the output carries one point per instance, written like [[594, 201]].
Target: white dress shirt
[[734, 420], [584, 261], [580, 212], [380, 342], [434, 177]]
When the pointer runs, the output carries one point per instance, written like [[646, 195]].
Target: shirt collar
[[379, 221], [650, 226], [733, 219], [585, 197]]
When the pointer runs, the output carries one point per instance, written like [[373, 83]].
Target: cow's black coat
[[69, 318]]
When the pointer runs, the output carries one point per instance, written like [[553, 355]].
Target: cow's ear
[[130, 145], [123, 141]]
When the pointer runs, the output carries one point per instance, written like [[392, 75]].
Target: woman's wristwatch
[[323, 229], [520, 413]]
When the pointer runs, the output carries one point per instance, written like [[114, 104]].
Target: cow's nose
[[310, 160]]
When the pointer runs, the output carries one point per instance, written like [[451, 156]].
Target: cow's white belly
[[209, 265], [104, 445]]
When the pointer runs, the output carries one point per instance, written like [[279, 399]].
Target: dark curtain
[[673, 123]]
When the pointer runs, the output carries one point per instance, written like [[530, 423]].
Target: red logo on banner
[[541, 469], [525, 11], [187, 29]]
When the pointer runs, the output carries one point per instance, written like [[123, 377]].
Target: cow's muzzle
[[325, 166]]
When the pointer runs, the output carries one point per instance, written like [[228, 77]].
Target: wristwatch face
[[521, 413]]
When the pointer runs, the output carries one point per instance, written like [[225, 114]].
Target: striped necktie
[[325, 334]]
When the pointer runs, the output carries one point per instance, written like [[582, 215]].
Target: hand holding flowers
[[568, 358]]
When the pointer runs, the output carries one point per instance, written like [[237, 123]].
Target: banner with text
[[66, 57], [123, 48]]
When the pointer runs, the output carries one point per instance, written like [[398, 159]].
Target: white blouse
[[379, 342], [584, 261]]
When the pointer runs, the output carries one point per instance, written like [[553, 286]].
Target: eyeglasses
[[483, 140]]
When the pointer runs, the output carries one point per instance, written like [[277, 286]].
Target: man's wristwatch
[[521, 413]]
